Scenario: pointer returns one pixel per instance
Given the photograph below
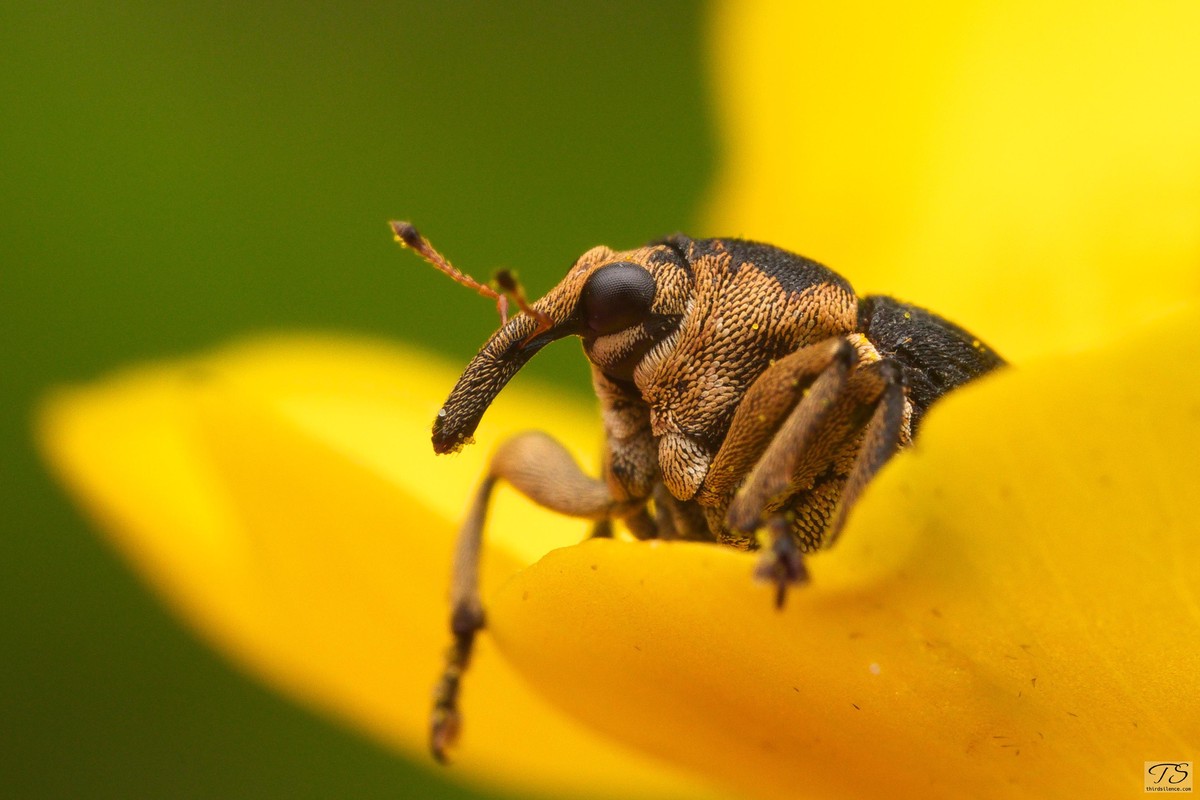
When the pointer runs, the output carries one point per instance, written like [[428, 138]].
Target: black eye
[[617, 296]]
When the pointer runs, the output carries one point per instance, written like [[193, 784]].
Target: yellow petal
[[1013, 611], [284, 498], [1030, 169]]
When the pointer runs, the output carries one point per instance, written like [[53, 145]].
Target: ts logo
[[1168, 776]]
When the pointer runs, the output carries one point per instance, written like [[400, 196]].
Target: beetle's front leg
[[541, 469]]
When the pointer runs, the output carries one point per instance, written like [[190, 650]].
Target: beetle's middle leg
[[790, 451], [834, 441], [541, 469]]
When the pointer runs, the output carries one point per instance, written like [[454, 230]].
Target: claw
[[445, 722], [781, 563], [444, 727]]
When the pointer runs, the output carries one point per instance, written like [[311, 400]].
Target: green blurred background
[[176, 176]]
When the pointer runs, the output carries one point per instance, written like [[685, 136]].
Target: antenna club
[[406, 234], [507, 281]]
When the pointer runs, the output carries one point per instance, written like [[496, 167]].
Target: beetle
[[748, 396]]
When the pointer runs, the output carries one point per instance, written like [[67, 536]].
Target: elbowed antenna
[[408, 236]]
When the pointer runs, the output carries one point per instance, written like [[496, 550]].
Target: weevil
[[748, 396]]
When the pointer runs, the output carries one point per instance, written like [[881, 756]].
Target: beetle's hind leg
[[541, 469], [885, 433]]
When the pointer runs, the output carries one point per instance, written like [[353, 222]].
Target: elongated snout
[[509, 349]]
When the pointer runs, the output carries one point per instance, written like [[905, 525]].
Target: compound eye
[[617, 296]]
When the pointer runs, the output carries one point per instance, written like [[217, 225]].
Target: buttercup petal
[[1013, 610], [283, 497]]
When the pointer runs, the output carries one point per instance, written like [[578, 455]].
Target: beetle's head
[[621, 304]]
